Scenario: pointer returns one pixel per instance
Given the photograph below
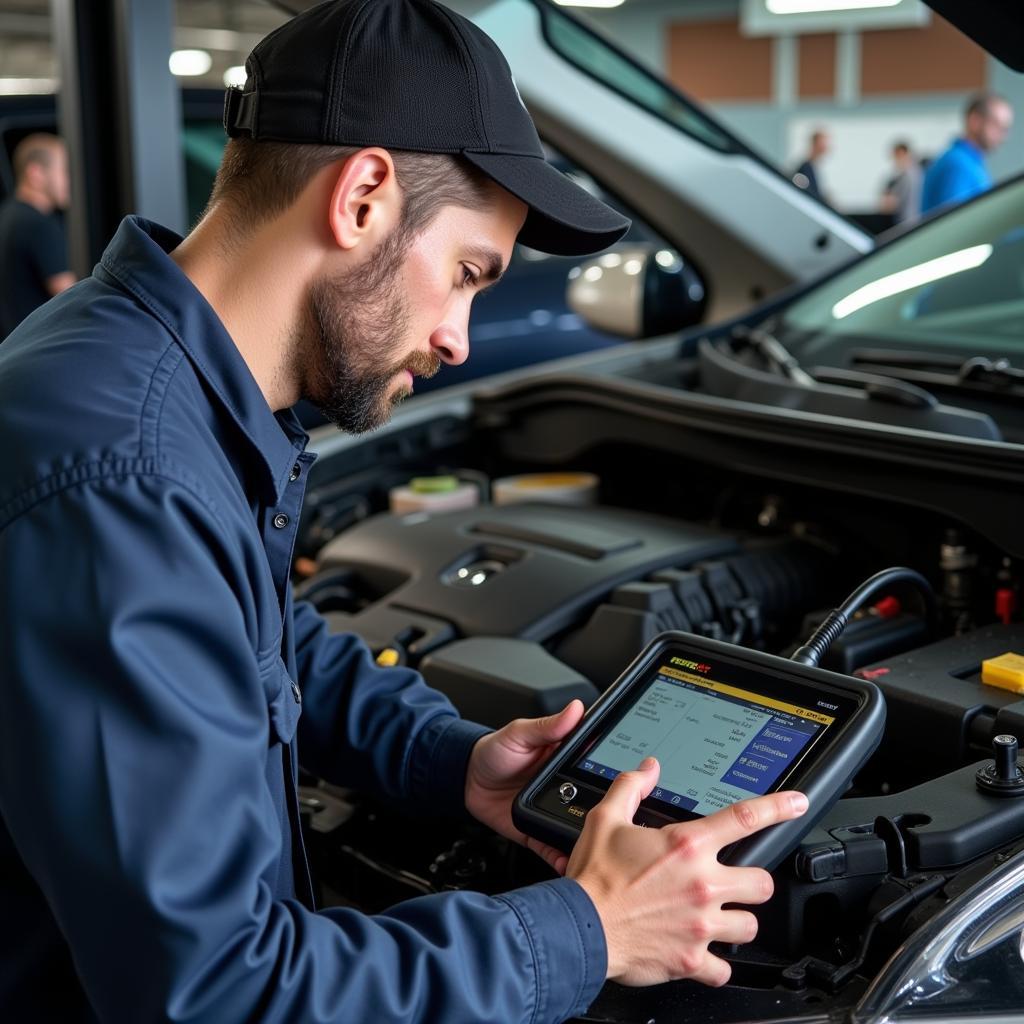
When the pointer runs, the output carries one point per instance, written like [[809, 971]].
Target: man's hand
[[504, 761], [660, 892]]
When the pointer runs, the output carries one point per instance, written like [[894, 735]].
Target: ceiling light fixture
[[590, 3], [234, 77], [27, 86], [190, 63], [823, 6]]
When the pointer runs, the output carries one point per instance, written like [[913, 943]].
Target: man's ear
[[366, 201]]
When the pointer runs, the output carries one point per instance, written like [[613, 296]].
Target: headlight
[[966, 964]]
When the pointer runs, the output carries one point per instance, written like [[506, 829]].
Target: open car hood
[[996, 25]]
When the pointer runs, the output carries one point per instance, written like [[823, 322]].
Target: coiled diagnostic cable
[[836, 621]]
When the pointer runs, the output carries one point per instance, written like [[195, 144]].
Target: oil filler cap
[[1003, 777]]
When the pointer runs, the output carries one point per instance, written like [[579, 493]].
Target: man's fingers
[[742, 819], [554, 858], [736, 927], [747, 885], [627, 790], [541, 732], [712, 971]]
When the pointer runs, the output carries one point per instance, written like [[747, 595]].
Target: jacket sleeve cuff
[[438, 763], [567, 942]]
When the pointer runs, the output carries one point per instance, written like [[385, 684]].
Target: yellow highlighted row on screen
[[756, 698]]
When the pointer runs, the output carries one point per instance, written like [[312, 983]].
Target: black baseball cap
[[413, 75]]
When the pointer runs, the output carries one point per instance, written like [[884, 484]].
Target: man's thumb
[[553, 728], [629, 788]]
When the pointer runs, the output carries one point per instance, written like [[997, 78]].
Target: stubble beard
[[350, 348]]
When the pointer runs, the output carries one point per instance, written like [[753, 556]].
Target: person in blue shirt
[[159, 685], [960, 172]]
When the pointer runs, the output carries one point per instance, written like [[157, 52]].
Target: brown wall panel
[[817, 65], [934, 58], [710, 60]]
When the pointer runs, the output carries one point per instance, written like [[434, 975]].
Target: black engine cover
[[527, 571]]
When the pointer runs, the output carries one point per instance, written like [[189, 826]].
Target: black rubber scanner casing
[[823, 777]]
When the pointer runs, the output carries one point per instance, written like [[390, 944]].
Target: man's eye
[[468, 277]]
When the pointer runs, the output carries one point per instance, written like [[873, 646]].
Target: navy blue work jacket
[[152, 674]]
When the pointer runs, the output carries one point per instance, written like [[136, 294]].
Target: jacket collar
[[138, 261]]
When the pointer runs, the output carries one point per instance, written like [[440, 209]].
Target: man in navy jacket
[[153, 666]]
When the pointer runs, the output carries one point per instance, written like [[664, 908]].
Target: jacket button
[[294, 474], [280, 520]]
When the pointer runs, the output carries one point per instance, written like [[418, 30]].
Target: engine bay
[[512, 610]]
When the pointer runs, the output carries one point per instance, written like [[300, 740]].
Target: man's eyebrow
[[492, 266]]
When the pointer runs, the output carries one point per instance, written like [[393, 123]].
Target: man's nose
[[451, 342]]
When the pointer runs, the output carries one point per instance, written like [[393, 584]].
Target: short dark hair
[[901, 146], [36, 148], [259, 180], [982, 102]]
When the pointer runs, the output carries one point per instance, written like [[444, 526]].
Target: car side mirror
[[637, 291]]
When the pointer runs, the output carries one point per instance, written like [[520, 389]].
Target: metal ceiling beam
[[119, 110], [40, 26]]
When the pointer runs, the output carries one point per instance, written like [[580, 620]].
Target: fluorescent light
[[190, 63], [912, 277], [234, 77], [27, 86], [590, 3], [819, 6]]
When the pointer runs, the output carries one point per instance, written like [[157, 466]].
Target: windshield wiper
[[774, 353], [879, 387], [978, 373]]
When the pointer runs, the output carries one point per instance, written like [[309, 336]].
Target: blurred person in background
[[902, 194], [960, 172], [33, 250], [806, 175]]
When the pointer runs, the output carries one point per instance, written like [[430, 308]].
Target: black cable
[[836, 621]]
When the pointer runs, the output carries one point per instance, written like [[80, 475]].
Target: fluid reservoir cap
[[1003, 776], [1006, 672], [433, 484]]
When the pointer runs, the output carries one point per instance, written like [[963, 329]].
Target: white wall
[[858, 165]]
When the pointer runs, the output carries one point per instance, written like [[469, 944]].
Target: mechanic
[[33, 250], [153, 664], [960, 173]]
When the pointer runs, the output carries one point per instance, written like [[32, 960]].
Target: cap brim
[[564, 218]]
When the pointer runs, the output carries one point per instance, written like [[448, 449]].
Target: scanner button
[[567, 792]]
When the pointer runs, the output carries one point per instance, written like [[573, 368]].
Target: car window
[[957, 282], [596, 57]]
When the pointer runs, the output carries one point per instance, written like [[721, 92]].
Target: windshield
[[957, 283]]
